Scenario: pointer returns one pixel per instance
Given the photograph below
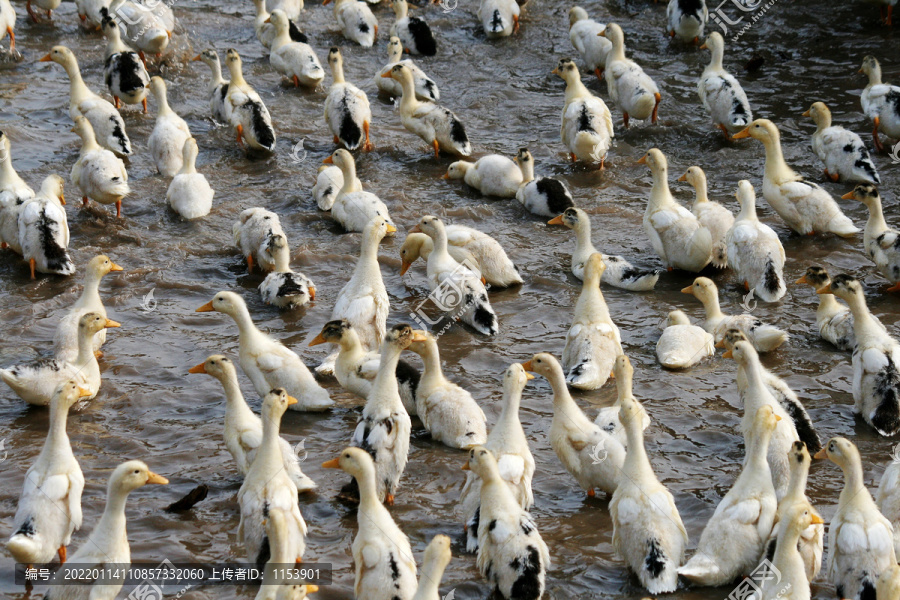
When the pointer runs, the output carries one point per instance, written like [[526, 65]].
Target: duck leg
[[31, 12], [31, 264], [84, 201], [296, 81], [437, 148], [367, 145], [572, 157], [119, 209], [143, 58], [591, 493], [249, 263], [725, 131], [599, 73], [12, 39], [890, 12], [389, 499], [879, 147], [515, 24], [62, 554], [625, 119], [98, 354], [144, 102], [240, 135], [655, 115], [116, 101], [894, 288]]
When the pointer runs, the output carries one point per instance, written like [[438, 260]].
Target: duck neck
[[757, 450], [711, 307], [432, 573], [797, 484], [700, 190], [401, 10], [234, 399], [282, 261], [439, 241], [85, 348], [91, 292], [562, 399], [56, 434], [77, 88], [636, 458], [368, 493], [660, 190], [368, 252], [113, 521], [337, 72], [386, 379], [823, 122], [189, 165], [863, 322], [753, 372], [7, 173], [246, 328], [748, 210], [875, 222], [527, 169], [163, 101], [431, 360], [776, 169], [509, 413], [583, 243], [268, 448], [828, 303], [351, 181], [575, 89], [716, 56], [88, 140], [875, 76], [216, 67], [617, 52], [408, 100], [853, 482], [237, 76]]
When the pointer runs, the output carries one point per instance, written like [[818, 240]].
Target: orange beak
[[742, 133], [157, 479], [116, 267], [806, 114], [703, 47], [415, 229], [849, 196], [386, 75], [292, 401], [824, 290], [777, 418], [728, 354], [688, 290], [643, 160], [557, 220], [683, 177], [319, 339], [527, 366], [821, 454], [465, 467], [555, 71], [602, 33], [445, 176], [62, 199], [802, 280], [83, 393], [328, 160], [198, 57], [208, 307], [720, 343], [110, 323], [404, 267], [201, 368], [334, 463], [817, 520], [269, 20], [45, 59]]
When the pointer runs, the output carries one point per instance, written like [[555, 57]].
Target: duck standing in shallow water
[[245, 109], [413, 32], [426, 88], [169, 133], [881, 242], [710, 214], [629, 87], [687, 19], [880, 102], [123, 71], [295, 60], [217, 89], [499, 18], [720, 93], [843, 152], [44, 230], [98, 173], [542, 196], [347, 111], [189, 193], [282, 287], [356, 20], [587, 127], [584, 33]]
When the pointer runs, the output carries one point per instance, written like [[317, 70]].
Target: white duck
[[355, 368], [267, 362], [593, 341], [757, 256], [217, 88], [584, 33], [329, 182], [437, 557], [448, 412], [499, 18], [252, 232], [169, 134], [89, 11], [347, 111], [282, 287], [543, 196], [647, 529], [278, 531], [512, 556], [764, 338], [587, 126], [618, 271], [355, 208], [577, 441], [267, 488], [888, 497], [629, 87], [608, 417], [843, 152], [413, 32], [880, 102], [465, 243], [384, 427], [295, 60], [811, 539], [492, 175], [675, 233], [36, 382], [189, 193], [454, 283], [754, 395], [245, 110], [711, 215], [363, 300], [720, 92], [108, 542], [682, 345], [687, 19], [860, 539], [804, 206], [356, 21], [794, 410], [49, 508], [265, 29], [105, 120], [876, 382], [880, 241], [13, 194], [733, 538], [144, 28], [65, 339], [382, 557], [425, 87], [793, 583], [98, 172], [433, 123], [834, 320], [123, 71], [508, 444], [888, 585], [44, 230], [243, 428]]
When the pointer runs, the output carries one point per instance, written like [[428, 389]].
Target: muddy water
[[149, 408]]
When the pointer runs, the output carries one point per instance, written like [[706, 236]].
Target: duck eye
[[136, 471]]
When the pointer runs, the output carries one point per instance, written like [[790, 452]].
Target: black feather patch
[[457, 131], [558, 197], [58, 259], [655, 562], [27, 528], [496, 22], [262, 130], [771, 279], [867, 590], [886, 417], [265, 553], [364, 27], [349, 132], [806, 431], [528, 585], [422, 36], [129, 67], [296, 34]]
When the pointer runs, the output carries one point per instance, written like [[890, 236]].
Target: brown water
[[149, 408]]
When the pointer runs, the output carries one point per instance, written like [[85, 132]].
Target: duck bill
[[83, 393], [312, 293], [527, 366], [557, 220], [157, 479], [821, 454], [116, 267], [416, 229], [292, 401], [404, 267], [269, 20], [817, 520], [319, 339], [802, 280], [310, 588], [208, 307], [419, 336], [720, 343], [328, 160], [391, 228], [728, 354], [688, 290], [643, 160], [62, 199], [528, 376], [683, 177], [110, 323], [824, 290], [45, 59], [704, 46], [602, 33], [848, 196], [805, 114], [334, 463], [466, 467], [201, 368], [742, 133], [197, 58], [386, 75]]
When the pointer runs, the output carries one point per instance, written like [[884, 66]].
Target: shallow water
[[149, 408]]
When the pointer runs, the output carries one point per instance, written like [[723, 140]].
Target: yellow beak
[[445, 176], [688, 290], [310, 588], [208, 307], [527, 366], [683, 177], [419, 336], [806, 114], [720, 343], [198, 57], [416, 229], [777, 418], [528, 376], [404, 267], [292, 401], [742, 133], [201, 368], [334, 463], [802, 280], [157, 479], [116, 267], [110, 323], [821, 454], [391, 228], [62, 199], [643, 160], [602, 33], [83, 393], [269, 20], [816, 520]]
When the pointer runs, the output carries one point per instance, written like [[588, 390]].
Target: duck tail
[[886, 416], [497, 24], [24, 547], [771, 288]]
